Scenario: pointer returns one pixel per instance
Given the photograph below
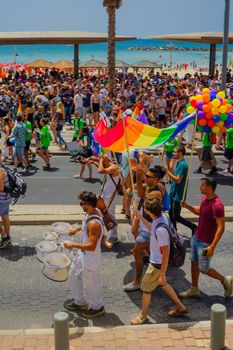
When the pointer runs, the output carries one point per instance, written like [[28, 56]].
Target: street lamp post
[[225, 44]]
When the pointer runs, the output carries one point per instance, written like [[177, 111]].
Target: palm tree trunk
[[111, 46]]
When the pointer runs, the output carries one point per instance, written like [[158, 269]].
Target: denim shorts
[[142, 237], [169, 155], [196, 254]]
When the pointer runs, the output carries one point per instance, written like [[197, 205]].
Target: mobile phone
[[204, 253]]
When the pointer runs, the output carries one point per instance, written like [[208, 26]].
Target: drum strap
[[113, 194]]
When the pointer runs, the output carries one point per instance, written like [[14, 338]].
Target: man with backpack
[[209, 231], [5, 200], [155, 276], [20, 133]]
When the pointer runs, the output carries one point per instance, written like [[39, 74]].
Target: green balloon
[[200, 128], [188, 105], [223, 117], [229, 101]]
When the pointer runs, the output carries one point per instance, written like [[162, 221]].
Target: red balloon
[[209, 115], [193, 103], [211, 123], [202, 122]]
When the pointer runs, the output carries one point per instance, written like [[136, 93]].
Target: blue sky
[[135, 17]]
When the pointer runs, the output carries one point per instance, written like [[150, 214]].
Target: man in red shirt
[[210, 229]]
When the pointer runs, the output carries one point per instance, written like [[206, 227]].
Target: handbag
[[109, 221]]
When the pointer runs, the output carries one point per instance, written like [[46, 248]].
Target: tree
[[112, 6]]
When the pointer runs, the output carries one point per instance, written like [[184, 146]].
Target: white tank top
[[109, 187], [95, 256]]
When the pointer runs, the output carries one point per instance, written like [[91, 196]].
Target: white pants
[[84, 282]]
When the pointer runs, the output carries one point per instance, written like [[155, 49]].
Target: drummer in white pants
[[109, 190], [84, 277]]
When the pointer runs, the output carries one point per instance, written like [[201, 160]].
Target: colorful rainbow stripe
[[139, 135]]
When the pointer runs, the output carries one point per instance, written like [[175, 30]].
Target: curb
[[128, 328]]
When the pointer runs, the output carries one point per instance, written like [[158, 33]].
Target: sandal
[[177, 313], [138, 320]]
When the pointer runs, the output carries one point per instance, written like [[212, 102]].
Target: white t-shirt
[[78, 100], [162, 239], [161, 104]]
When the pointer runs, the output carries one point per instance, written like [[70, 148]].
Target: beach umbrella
[[93, 64], [64, 64], [40, 63], [145, 64]]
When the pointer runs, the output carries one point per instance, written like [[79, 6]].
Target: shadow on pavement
[[15, 252]]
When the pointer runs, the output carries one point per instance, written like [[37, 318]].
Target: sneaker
[[93, 313], [228, 286], [193, 292], [198, 171], [131, 287], [6, 241], [71, 306], [213, 170]]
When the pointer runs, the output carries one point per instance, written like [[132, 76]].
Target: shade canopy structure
[[145, 64], [120, 64], [64, 64], [93, 64], [211, 38], [47, 38], [40, 63]]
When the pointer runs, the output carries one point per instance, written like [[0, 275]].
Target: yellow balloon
[[216, 102], [221, 94], [216, 129], [206, 91], [199, 98], [190, 109], [222, 109], [221, 123], [215, 111], [192, 98]]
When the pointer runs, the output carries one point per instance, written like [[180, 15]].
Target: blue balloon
[[216, 118], [206, 129], [212, 97]]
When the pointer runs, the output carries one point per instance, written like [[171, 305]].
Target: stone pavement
[[29, 300], [46, 214], [161, 337]]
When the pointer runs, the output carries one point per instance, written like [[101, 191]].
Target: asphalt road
[[58, 186]]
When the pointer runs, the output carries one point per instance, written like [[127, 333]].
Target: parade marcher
[[228, 152], [45, 139], [177, 189], [5, 200], [207, 154], [155, 275], [20, 133], [78, 124], [84, 277], [211, 226]]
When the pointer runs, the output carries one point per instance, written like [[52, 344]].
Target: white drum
[[56, 267], [44, 248], [50, 236], [61, 227]]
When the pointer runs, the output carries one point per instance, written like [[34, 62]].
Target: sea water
[[124, 52]]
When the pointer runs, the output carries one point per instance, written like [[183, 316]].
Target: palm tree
[[112, 6]]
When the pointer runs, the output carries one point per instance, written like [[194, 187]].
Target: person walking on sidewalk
[[210, 229], [5, 200], [85, 268], [177, 189], [155, 275]]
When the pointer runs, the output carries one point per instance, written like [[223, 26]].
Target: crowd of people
[[35, 107]]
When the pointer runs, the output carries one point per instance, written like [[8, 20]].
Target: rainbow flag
[[139, 135], [137, 110]]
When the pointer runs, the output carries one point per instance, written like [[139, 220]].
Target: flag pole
[[130, 167], [120, 173], [190, 158]]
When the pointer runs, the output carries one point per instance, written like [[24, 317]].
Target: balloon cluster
[[213, 110]]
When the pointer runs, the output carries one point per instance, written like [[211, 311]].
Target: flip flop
[[177, 313], [138, 320]]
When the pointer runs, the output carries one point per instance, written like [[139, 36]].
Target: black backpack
[[17, 186], [177, 245]]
